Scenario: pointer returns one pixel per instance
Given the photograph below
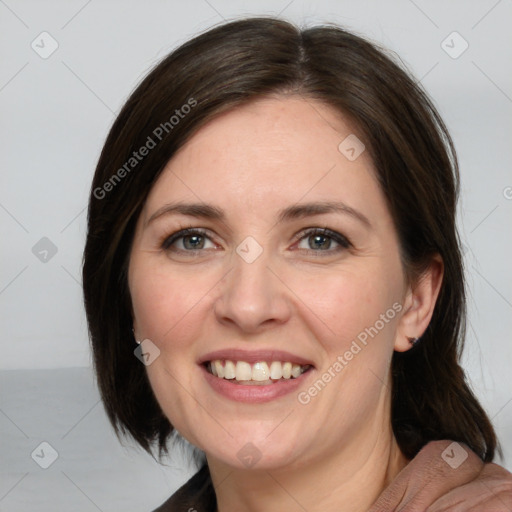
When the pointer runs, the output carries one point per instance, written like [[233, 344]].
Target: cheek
[[167, 310], [342, 306], [343, 312], [165, 303]]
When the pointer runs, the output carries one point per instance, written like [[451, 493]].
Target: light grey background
[[55, 114]]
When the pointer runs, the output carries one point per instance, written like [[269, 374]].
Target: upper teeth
[[260, 371]]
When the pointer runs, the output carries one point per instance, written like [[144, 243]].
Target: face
[[289, 256]]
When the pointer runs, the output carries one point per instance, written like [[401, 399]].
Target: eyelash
[[343, 242]]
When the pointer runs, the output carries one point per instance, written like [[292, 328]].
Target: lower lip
[[254, 394]]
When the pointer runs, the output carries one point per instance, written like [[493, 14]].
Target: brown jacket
[[447, 473]]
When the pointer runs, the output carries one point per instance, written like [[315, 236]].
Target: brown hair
[[416, 165]]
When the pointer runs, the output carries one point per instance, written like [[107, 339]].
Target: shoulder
[[445, 475], [196, 495]]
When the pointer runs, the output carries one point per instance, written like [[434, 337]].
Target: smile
[[259, 373]]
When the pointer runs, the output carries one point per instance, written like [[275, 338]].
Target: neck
[[347, 480]]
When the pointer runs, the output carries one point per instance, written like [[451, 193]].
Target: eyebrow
[[297, 211], [302, 210]]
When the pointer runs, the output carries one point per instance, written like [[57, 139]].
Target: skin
[[336, 452]]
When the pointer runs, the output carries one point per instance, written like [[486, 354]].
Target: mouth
[[259, 373], [255, 376]]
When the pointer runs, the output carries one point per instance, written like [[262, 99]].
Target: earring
[[413, 341], [135, 337]]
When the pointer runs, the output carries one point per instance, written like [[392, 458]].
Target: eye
[[322, 240], [188, 240]]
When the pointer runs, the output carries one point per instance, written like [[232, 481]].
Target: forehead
[[268, 152]]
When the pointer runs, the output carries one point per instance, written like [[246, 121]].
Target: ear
[[419, 303]]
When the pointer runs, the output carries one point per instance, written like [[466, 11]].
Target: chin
[[243, 454]]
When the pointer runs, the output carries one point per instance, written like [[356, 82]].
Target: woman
[[272, 220]]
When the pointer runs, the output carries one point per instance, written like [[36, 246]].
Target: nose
[[252, 296]]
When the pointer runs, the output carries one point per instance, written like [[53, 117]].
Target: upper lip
[[254, 356]]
